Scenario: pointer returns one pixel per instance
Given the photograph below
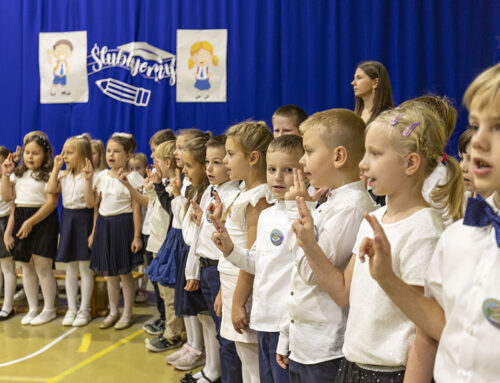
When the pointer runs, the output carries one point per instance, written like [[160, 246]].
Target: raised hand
[[299, 188], [215, 207], [8, 165], [196, 213], [177, 183], [156, 176], [221, 237], [88, 170], [59, 161], [122, 176], [17, 155], [378, 251], [303, 227], [148, 183]]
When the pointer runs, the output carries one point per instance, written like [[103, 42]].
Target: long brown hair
[[382, 99], [43, 173]]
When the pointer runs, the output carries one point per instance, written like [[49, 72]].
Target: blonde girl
[[36, 223], [245, 159], [117, 230], [98, 156], [403, 146], [202, 53], [76, 224]]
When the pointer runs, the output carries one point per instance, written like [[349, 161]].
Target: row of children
[[240, 235]]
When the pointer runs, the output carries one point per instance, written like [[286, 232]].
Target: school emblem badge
[[277, 237], [491, 310]]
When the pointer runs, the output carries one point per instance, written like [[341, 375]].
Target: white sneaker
[[190, 360], [28, 318], [69, 318], [178, 354], [44, 317], [82, 318]]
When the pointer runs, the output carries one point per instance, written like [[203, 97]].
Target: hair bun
[[123, 135]]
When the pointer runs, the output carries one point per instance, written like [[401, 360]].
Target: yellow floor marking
[[84, 346], [21, 379], [94, 357]]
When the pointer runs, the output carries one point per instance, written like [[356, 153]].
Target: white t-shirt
[[314, 328], [72, 190], [160, 221], [4, 206], [271, 261], [29, 192], [463, 278], [378, 334], [115, 197]]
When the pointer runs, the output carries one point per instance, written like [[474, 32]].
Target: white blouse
[[29, 192], [115, 197]]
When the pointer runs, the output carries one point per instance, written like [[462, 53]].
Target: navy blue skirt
[[41, 241], [76, 226], [3, 225], [163, 268], [186, 303], [111, 253]]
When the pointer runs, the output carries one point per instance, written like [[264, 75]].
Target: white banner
[[63, 67], [201, 65]]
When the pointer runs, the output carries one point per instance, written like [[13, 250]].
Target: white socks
[[212, 357]]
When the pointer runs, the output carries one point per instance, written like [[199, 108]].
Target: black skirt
[[351, 373], [76, 226], [111, 253], [41, 241], [3, 225]]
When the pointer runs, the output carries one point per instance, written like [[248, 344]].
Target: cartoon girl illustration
[[202, 52]]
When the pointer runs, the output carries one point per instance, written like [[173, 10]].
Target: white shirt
[[160, 221], [72, 190], [205, 247], [316, 325], [4, 206], [236, 223], [29, 192], [115, 197], [378, 333], [271, 261], [462, 275]]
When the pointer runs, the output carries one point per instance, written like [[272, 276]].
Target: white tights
[[87, 284], [39, 269], [10, 282], [128, 287], [194, 332], [249, 356], [212, 360]]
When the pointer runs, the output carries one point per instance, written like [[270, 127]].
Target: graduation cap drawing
[[146, 51]]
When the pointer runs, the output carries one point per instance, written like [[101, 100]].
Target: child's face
[[280, 171], [216, 171], [485, 147], [164, 165], [153, 148], [382, 165], [33, 155], [466, 167], [236, 161], [96, 156], [202, 57], [116, 157], [283, 125], [62, 52], [70, 156], [2, 159], [136, 165], [317, 161], [179, 148], [193, 170], [362, 84]]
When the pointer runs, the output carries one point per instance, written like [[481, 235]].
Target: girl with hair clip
[[36, 223], [117, 229], [245, 159], [166, 268], [372, 90], [8, 273], [77, 218], [416, 138], [221, 357]]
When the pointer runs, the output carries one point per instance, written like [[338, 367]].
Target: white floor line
[[43, 349]]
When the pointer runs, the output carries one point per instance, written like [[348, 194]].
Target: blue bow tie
[[479, 213]]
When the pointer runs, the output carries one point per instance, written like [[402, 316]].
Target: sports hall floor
[[53, 353]]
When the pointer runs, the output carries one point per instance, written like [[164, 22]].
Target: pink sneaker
[[178, 354], [191, 359]]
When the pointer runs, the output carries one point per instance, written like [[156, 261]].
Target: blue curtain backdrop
[[279, 52]]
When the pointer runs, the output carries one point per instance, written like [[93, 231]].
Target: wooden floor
[[53, 353]]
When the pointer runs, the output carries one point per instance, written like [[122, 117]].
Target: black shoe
[[188, 378], [4, 315]]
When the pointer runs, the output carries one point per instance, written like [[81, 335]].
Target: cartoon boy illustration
[[202, 52], [61, 51]]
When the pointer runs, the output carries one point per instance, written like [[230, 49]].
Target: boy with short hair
[[287, 119], [269, 259], [314, 330]]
